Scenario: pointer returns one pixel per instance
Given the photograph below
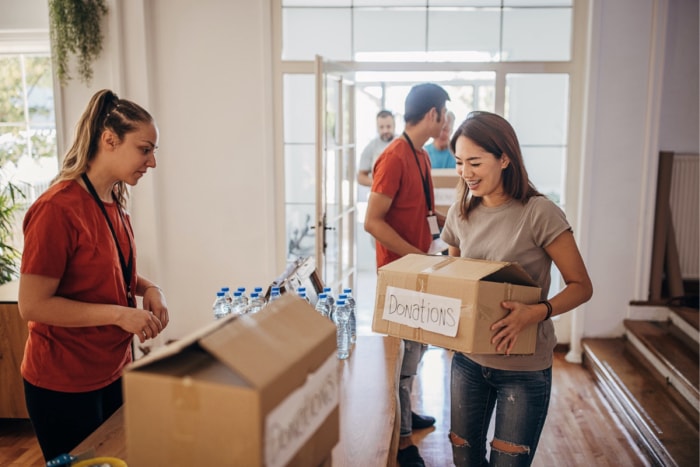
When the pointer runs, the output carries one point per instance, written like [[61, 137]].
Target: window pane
[[537, 107], [372, 33], [13, 143], [40, 90], [545, 3], [300, 236], [537, 34], [389, 3], [299, 109], [44, 145], [317, 3], [472, 33], [300, 173], [545, 166], [480, 3], [310, 31], [12, 103]]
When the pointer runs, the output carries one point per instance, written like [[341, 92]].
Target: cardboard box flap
[[464, 268], [512, 273], [448, 266], [177, 346], [285, 331]]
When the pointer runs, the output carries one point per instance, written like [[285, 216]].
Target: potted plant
[[9, 206], [75, 30]]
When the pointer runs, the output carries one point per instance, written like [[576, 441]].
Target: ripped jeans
[[521, 399]]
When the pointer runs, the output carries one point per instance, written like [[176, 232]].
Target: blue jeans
[[412, 354], [521, 399]]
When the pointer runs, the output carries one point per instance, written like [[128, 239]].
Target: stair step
[[687, 320], [665, 427], [665, 351]]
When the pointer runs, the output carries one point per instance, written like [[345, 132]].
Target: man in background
[[385, 134], [401, 218], [439, 150]]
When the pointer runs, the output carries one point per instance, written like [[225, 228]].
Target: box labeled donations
[[251, 390], [451, 302]]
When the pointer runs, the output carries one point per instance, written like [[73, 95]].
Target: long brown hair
[[105, 111], [496, 136]]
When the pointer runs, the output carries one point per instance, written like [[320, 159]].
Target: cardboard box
[[451, 302], [445, 188], [252, 390]]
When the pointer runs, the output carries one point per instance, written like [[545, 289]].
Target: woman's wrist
[[152, 286], [549, 309]]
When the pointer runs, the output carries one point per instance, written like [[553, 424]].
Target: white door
[[335, 175]]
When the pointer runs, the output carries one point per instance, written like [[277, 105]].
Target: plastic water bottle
[[353, 321], [260, 292], [302, 293], [238, 303], [331, 301], [274, 295], [343, 297], [243, 294], [256, 303], [342, 315], [227, 294], [322, 305], [220, 307]]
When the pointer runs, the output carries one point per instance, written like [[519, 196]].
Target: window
[[432, 30], [28, 157], [512, 57]]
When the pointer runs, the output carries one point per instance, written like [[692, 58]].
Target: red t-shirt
[[67, 237], [397, 176]]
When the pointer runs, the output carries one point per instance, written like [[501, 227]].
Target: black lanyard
[[127, 268], [424, 178]]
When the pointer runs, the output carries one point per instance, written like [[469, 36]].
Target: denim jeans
[[521, 400], [412, 354]]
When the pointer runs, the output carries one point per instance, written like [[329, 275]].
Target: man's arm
[[364, 178], [376, 225]]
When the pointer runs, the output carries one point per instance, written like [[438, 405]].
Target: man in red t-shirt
[[401, 218]]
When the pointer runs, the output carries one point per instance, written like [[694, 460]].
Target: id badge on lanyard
[[433, 224]]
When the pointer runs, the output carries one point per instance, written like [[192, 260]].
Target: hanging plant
[[75, 30]]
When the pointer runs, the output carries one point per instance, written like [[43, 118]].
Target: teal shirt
[[440, 159]]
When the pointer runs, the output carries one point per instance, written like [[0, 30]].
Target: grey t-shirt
[[512, 232], [371, 152]]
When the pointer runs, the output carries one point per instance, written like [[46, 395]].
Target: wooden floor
[[580, 431]]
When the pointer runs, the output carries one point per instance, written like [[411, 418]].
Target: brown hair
[[495, 135], [105, 111]]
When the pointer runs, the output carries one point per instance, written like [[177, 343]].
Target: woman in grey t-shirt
[[500, 216]]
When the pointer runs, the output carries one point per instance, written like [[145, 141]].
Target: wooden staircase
[[650, 378]]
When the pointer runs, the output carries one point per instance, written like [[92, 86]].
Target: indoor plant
[[75, 30]]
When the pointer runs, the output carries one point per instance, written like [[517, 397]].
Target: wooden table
[[369, 409], [13, 337]]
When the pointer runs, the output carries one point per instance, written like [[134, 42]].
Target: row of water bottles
[[239, 303], [342, 313]]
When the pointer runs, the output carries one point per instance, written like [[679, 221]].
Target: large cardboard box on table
[[451, 302], [252, 390]]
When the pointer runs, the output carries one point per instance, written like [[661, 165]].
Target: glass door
[[335, 175]]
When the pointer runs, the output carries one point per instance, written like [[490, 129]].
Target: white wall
[[206, 216], [24, 14], [626, 77], [679, 127]]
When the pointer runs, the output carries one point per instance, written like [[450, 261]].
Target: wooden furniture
[[369, 410], [13, 336]]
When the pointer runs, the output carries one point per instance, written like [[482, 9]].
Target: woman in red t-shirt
[[78, 279]]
